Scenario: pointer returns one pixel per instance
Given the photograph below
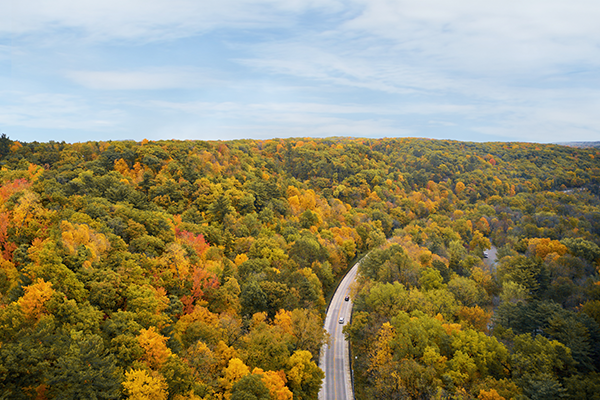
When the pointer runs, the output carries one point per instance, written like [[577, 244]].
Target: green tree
[[84, 371], [250, 387], [5, 144], [252, 299], [220, 208], [585, 249]]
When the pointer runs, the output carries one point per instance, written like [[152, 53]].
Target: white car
[[342, 320]]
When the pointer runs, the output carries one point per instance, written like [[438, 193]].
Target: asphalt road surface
[[335, 361]]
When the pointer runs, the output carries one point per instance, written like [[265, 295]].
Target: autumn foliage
[[201, 270]]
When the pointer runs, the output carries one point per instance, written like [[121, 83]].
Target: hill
[[199, 270], [582, 145]]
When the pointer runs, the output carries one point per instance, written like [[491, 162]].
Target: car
[[342, 320], [485, 254], [346, 298]]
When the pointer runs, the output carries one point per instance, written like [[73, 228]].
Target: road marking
[[335, 359]]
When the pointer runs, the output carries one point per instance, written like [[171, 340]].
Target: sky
[[469, 70]]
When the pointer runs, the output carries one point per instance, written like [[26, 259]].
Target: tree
[[476, 317], [303, 375], [580, 247], [32, 303], [386, 300], [479, 242], [530, 273], [275, 381], [539, 356], [489, 356], [431, 279], [179, 377], [541, 247], [235, 371], [306, 250], [147, 303], [84, 371], [141, 385], [467, 291], [266, 346], [220, 208], [383, 369], [252, 299], [156, 351], [5, 144], [308, 219], [250, 387], [25, 360]]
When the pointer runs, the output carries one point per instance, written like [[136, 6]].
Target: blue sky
[[78, 70]]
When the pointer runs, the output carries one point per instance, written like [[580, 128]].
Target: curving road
[[334, 360]]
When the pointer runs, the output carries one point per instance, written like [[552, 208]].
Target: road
[[490, 262], [334, 360]]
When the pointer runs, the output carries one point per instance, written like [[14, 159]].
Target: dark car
[[346, 298]]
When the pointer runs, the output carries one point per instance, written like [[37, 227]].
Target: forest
[[201, 270]]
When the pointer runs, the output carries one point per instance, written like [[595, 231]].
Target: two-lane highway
[[334, 360]]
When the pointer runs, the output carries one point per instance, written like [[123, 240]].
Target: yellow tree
[[283, 319], [36, 295], [75, 236], [541, 247], [155, 347], [275, 381], [11, 273], [382, 367], [202, 362], [175, 262], [483, 226], [476, 316], [139, 385], [479, 242], [235, 371], [491, 394], [304, 376]]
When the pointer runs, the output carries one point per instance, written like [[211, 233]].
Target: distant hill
[[581, 145]]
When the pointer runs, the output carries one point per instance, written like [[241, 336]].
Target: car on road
[[485, 254], [346, 298], [342, 320]]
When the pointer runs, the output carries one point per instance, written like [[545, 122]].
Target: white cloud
[[148, 79], [470, 35], [282, 110], [280, 129], [320, 67], [262, 120], [405, 47], [149, 20], [54, 111]]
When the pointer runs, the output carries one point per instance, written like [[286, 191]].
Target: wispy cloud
[[506, 70], [274, 111], [49, 110], [435, 45], [486, 37], [147, 79], [150, 20]]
